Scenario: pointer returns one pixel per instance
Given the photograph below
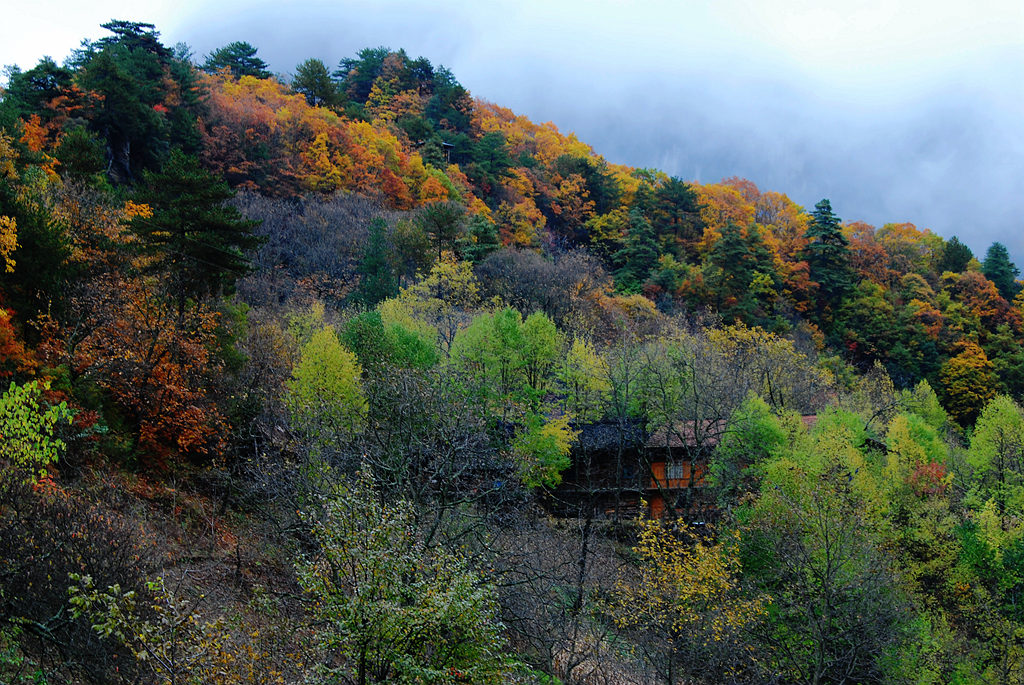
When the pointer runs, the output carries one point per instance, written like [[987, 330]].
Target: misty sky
[[896, 111]]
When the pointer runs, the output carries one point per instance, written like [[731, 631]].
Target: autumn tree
[[15, 358], [910, 249], [600, 185], [686, 603], [785, 221], [521, 224], [721, 203], [967, 383], [160, 371]]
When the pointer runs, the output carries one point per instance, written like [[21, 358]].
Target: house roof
[[605, 435], [703, 433]]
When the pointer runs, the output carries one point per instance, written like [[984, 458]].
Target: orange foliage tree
[[259, 135], [868, 257], [161, 375], [720, 204]]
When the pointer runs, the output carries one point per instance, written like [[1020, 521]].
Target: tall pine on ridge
[[827, 255]]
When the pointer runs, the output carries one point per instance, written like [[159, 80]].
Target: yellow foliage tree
[[720, 204], [520, 224], [968, 383], [584, 374], [687, 596], [438, 304], [325, 396], [8, 242]]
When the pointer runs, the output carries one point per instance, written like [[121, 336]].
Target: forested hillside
[[294, 367]]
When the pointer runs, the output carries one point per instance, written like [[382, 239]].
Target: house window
[[674, 471]]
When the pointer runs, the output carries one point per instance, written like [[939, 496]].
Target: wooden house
[[618, 465], [606, 475], [678, 459]]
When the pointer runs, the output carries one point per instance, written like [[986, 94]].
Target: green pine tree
[[481, 239], [313, 80], [197, 240], [998, 268], [741, 274], [955, 256], [377, 279], [827, 255], [240, 57], [638, 256], [444, 222]]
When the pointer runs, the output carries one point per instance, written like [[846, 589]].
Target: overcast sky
[[895, 110]]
